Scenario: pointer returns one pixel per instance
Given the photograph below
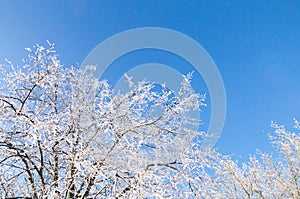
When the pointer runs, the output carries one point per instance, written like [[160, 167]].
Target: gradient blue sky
[[255, 44]]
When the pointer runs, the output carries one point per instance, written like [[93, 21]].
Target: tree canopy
[[64, 134]]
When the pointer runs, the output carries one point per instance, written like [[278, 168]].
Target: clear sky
[[255, 44]]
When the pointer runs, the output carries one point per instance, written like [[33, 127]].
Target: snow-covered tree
[[64, 134], [263, 176]]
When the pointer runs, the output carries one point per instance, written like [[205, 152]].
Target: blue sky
[[255, 44]]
